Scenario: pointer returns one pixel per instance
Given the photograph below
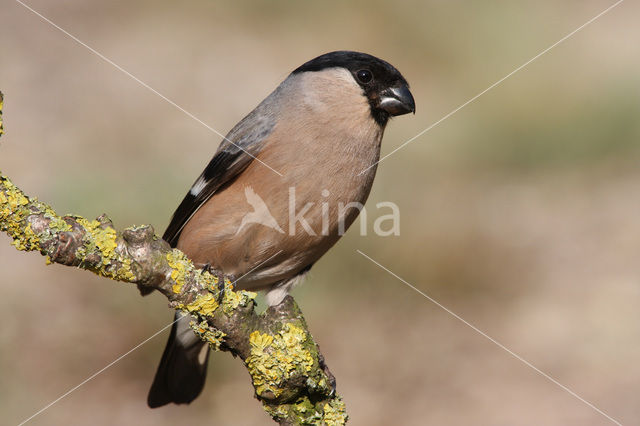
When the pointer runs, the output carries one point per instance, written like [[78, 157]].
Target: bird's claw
[[221, 285], [207, 268], [220, 277]]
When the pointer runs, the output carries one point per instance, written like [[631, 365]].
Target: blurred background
[[519, 212]]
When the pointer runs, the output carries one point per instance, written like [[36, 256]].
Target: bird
[[310, 146]]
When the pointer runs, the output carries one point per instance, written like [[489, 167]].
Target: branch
[[286, 367]]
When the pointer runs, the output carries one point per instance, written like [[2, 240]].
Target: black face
[[387, 90]]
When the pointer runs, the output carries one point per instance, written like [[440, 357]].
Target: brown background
[[520, 212]]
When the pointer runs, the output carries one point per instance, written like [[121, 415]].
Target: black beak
[[397, 100]]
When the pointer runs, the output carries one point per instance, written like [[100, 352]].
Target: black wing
[[235, 153]]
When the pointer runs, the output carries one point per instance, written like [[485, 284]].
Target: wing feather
[[235, 153]]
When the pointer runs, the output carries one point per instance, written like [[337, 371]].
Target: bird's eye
[[364, 76]]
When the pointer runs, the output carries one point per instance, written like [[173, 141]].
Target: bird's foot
[[219, 276], [207, 268]]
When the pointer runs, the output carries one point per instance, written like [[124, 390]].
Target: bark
[[286, 367]]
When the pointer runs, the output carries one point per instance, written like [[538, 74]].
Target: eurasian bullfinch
[[315, 140]]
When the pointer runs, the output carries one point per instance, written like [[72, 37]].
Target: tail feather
[[183, 367]]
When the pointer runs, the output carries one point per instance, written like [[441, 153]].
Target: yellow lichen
[[56, 224], [232, 299], [14, 209], [204, 305], [212, 336], [305, 412], [125, 273], [103, 238], [260, 342], [181, 266], [12, 201], [335, 413], [302, 410], [29, 240], [277, 358]]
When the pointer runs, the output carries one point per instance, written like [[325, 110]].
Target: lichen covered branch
[[285, 365]]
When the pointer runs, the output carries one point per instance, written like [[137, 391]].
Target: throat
[[380, 116]]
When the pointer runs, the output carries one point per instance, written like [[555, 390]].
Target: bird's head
[[385, 88]]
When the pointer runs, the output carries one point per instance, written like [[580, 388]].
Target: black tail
[[183, 368]]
